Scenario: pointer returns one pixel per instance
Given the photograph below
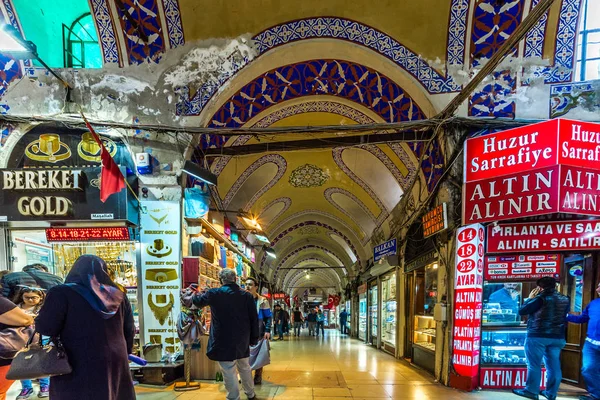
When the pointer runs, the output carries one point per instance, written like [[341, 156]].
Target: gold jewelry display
[[161, 312], [161, 275], [89, 149], [48, 148], [159, 249]]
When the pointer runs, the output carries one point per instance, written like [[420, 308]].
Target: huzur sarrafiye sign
[[56, 194], [544, 168]]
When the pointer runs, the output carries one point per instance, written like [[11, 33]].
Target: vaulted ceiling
[[331, 63]]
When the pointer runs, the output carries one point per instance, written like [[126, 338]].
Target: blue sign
[[388, 248]]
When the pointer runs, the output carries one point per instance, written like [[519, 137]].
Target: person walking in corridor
[[591, 349], [280, 320], [546, 332], [298, 319], [344, 321], [265, 319], [312, 322], [233, 328], [320, 322]]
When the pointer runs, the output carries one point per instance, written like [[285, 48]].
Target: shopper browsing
[[591, 349], [344, 321], [546, 330], [34, 275], [233, 328], [312, 321], [320, 322], [265, 318], [30, 300], [298, 319]]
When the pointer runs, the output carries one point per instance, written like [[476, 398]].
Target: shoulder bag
[[39, 361], [13, 339]]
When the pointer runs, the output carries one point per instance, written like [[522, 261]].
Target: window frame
[[70, 38]]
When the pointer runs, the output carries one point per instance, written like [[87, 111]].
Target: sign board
[[160, 237], [544, 236], [521, 267], [468, 289], [279, 296], [421, 261], [388, 248], [103, 233], [546, 168], [435, 220], [507, 378], [362, 289], [57, 194]]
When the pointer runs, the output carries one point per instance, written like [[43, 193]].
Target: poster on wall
[[522, 267], [160, 236], [468, 289]]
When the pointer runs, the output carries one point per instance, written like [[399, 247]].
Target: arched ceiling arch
[[306, 261]]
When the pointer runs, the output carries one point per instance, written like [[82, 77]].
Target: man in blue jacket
[[591, 349], [546, 337], [233, 328]]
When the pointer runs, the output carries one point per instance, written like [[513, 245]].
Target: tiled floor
[[331, 368]]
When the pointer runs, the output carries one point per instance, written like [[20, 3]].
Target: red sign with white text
[[507, 378], [523, 194], [544, 168], [579, 144], [544, 236], [87, 234], [512, 151], [521, 267], [468, 287]]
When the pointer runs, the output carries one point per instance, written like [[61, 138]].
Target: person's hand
[[535, 292], [187, 297], [267, 336]]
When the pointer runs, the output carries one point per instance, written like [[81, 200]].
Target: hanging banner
[[435, 220], [468, 288], [539, 169], [160, 237], [522, 267], [544, 236]]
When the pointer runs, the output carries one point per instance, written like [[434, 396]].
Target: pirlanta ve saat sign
[[544, 168]]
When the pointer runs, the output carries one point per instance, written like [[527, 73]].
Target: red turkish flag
[[336, 300], [296, 301], [330, 302], [286, 299], [111, 179]]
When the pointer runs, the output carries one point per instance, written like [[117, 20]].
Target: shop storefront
[[389, 312], [553, 230], [51, 212], [421, 329], [362, 312]]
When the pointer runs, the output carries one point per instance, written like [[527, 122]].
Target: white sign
[[103, 216], [160, 237]]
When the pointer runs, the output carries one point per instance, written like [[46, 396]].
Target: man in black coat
[[35, 275], [233, 328]]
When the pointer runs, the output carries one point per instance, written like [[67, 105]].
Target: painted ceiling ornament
[[308, 175], [309, 230]]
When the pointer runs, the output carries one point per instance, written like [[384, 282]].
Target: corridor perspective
[[335, 367]]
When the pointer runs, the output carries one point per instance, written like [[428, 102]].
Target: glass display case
[[362, 316], [388, 310], [501, 302], [373, 308], [431, 272], [424, 332], [503, 347]]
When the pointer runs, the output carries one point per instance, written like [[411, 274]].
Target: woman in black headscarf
[[92, 316]]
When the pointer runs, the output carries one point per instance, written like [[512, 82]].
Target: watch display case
[[503, 347], [388, 310], [424, 332], [373, 313], [362, 317], [501, 302]]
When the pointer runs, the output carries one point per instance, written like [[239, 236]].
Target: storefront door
[[373, 313], [579, 283]]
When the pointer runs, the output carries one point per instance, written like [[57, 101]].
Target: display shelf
[[217, 235], [430, 332], [424, 332], [426, 345], [503, 347]]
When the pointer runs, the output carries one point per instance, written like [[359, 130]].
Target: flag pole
[[101, 144]]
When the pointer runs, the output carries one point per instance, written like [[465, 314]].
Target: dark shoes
[[525, 393], [258, 381], [547, 395]]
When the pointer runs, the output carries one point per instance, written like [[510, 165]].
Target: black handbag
[[13, 339], [39, 361]]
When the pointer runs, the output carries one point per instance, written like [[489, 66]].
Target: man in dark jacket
[[35, 275], [233, 328], [344, 321], [591, 349], [546, 329]]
